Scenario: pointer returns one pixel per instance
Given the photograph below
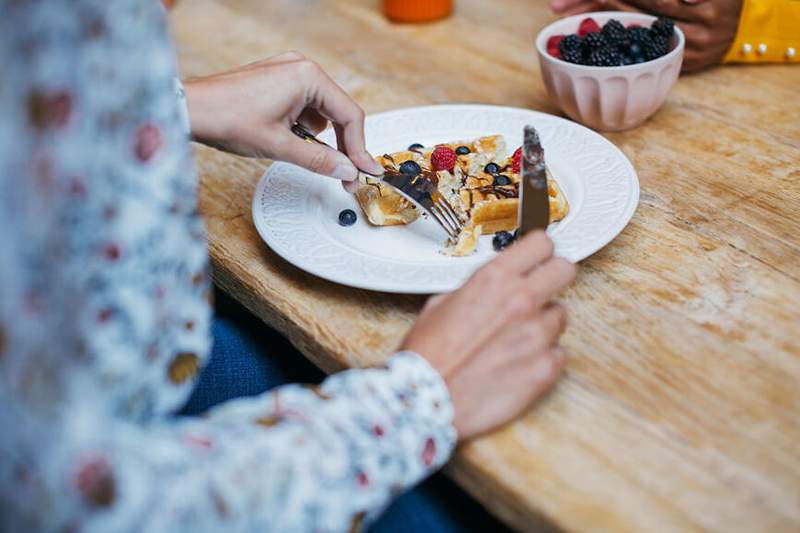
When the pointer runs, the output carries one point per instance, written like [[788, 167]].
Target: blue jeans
[[249, 358]]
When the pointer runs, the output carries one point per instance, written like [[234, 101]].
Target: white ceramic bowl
[[609, 98]]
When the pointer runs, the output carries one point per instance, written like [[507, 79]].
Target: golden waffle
[[483, 207]]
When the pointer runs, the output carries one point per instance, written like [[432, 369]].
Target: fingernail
[[350, 186], [373, 166], [345, 171]]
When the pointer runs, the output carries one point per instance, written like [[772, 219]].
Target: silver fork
[[422, 193]]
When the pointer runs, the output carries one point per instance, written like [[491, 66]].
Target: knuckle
[[709, 13], [491, 275], [320, 162], [534, 330], [307, 68], [703, 38], [520, 304], [561, 318], [295, 55]]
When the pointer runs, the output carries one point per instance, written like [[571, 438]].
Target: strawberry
[[552, 45], [515, 160], [588, 25], [631, 26], [443, 158]]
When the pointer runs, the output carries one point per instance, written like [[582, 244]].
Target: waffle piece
[[484, 204]]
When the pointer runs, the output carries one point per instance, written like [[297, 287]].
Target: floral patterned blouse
[[104, 316]]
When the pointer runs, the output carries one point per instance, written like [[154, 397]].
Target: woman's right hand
[[495, 340]]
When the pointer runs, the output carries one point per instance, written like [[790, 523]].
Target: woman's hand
[[495, 340], [249, 111], [709, 25]]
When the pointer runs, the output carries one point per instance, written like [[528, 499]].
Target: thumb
[[315, 157]]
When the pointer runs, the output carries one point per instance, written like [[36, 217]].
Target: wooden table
[[680, 409]]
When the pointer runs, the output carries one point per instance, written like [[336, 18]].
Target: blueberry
[[347, 217], [635, 49], [502, 180], [416, 146], [501, 240], [410, 168], [462, 150], [492, 168]]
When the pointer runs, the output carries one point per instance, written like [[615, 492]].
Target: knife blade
[[534, 201]]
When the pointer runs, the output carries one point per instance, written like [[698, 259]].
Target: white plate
[[296, 211]]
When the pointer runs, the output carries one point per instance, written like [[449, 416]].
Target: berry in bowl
[[610, 70]]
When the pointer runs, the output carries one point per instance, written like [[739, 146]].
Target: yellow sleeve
[[769, 32]]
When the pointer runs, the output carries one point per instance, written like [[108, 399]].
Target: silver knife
[[534, 201]]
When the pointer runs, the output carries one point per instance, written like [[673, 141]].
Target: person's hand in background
[[495, 340], [709, 25], [250, 110]]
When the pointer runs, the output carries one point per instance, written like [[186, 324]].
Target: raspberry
[[516, 159], [443, 158], [552, 45], [587, 26]]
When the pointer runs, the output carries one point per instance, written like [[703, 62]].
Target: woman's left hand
[[709, 25], [250, 110]]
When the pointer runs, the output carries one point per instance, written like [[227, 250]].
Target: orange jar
[[417, 10]]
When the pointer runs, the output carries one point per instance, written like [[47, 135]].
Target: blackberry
[[608, 56], [593, 41], [614, 32], [573, 56], [655, 47], [664, 27], [638, 35], [570, 43]]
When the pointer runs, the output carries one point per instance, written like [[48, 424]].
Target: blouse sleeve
[[769, 32]]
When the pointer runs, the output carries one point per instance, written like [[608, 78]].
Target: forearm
[[295, 459]]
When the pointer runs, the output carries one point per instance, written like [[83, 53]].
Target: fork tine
[[445, 206], [444, 226], [437, 212], [440, 218]]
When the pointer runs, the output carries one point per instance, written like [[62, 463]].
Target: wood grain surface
[[680, 409]]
